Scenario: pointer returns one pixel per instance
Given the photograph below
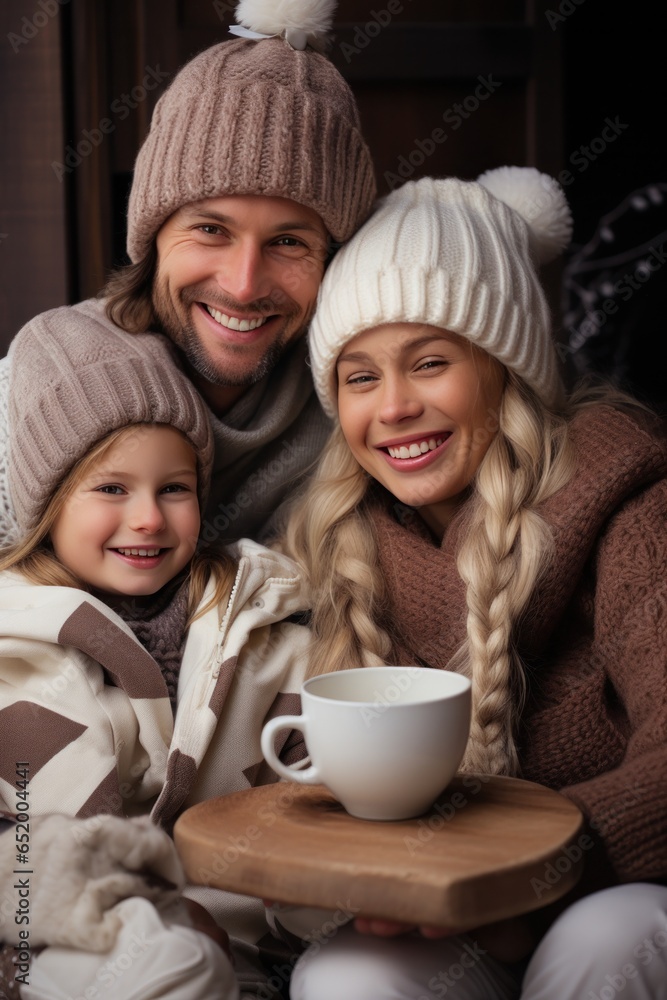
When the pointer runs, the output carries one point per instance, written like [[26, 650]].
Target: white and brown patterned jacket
[[84, 708]]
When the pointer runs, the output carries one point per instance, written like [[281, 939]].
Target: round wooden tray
[[490, 848]]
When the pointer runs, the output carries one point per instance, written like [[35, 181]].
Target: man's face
[[236, 282]]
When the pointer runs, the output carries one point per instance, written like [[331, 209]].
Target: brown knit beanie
[[256, 116], [75, 377]]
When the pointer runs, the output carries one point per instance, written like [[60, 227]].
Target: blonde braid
[[331, 537], [507, 546]]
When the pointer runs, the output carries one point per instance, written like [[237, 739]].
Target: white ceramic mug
[[386, 741]]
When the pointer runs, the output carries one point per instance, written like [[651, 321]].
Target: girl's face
[[131, 524], [419, 408]]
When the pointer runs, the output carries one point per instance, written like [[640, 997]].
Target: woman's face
[[419, 408]]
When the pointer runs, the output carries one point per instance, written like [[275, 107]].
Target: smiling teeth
[[232, 323], [139, 552], [416, 449]]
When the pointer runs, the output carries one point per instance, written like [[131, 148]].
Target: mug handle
[[307, 776]]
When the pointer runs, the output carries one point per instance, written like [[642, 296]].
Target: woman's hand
[[391, 928], [386, 928], [507, 940]]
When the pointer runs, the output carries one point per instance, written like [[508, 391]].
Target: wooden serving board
[[490, 848]]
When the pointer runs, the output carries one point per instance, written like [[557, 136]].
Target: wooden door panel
[[418, 73]]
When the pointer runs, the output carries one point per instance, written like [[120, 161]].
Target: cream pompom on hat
[[264, 114], [458, 255]]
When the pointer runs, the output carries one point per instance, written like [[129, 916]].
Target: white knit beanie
[[458, 255]]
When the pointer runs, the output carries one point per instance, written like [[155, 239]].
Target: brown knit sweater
[[594, 639]]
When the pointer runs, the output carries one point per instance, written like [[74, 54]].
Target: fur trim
[[82, 868], [273, 17], [539, 200]]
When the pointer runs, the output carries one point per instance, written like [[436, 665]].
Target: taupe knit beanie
[[458, 255], [75, 377], [257, 116]]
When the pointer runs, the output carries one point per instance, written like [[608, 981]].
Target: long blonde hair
[[328, 535], [34, 558], [505, 548]]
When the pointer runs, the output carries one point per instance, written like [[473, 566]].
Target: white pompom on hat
[[458, 255], [539, 200], [313, 18]]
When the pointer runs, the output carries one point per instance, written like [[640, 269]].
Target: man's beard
[[186, 339]]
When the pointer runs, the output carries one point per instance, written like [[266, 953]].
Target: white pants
[[610, 944], [155, 956]]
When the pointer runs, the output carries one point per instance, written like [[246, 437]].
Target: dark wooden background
[[563, 67]]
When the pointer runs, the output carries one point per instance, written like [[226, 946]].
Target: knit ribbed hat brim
[[75, 378], [448, 254], [257, 118]]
